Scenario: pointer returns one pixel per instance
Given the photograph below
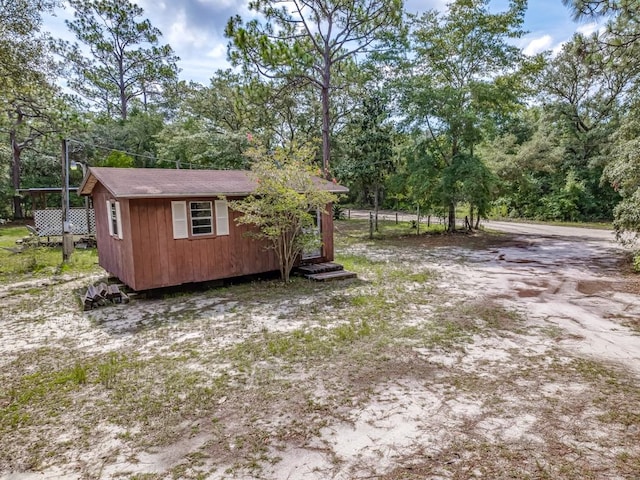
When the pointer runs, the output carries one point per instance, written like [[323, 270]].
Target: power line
[[178, 163]]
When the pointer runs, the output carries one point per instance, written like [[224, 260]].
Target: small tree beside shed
[[285, 204]]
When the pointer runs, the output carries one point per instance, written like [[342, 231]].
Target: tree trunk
[[471, 212], [452, 217], [123, 106], [375, 203], [324, 93], [144, 98], [16, 168], [123, 90]]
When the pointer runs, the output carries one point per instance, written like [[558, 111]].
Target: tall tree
[[126, 60], [620, 45], [621, 37], [623, 172], [310, 42], [192, 142], [22, 47], [597, 8], [369, 152], [30, 115], [26, 97], [586, 88], [137, 136], [462, 71]]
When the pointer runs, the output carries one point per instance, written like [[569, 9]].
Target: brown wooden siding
[[326, 223], [114, 254], [159, 260], [149, 257]]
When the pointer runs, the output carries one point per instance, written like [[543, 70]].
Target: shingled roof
[[161, 182]]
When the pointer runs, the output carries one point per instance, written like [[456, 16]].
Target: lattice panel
[[49, 222]]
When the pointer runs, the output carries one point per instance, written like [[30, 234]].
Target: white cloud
[[558, 48], [218, 52], [538, 45], [202, 69], [182, 35], [414, 6], [588, 28]]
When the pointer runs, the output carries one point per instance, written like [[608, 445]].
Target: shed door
[[317, 230]]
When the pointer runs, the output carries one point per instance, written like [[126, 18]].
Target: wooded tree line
[[438, 110]]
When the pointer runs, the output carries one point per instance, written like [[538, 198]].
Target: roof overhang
[[154, 183], [87, 185]]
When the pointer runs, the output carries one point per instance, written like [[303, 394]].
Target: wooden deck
[[324, 272]]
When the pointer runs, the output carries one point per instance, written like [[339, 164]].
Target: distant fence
[[49, 222]]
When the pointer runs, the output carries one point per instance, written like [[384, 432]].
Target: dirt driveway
[[568, 277], [450, 357]]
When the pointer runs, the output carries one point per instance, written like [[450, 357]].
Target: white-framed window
[[196, 218], [201, 218], [114, 218]]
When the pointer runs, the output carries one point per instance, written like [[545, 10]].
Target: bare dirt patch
[[486, 356]]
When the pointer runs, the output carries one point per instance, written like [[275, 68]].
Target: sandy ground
[[517, 357]]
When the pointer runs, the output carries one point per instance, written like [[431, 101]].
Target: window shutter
[[179, 216], [118, 220], [222, 217], [109, 218]]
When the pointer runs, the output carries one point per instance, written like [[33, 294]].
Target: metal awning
[[44, 190]]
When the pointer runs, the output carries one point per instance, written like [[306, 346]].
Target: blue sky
[[194, 28]]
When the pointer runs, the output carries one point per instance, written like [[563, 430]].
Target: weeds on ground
[[356, 231], [39, 261]]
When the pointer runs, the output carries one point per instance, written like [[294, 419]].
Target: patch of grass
[[45, 261], [636, 262], [446, 334], [37, 395], [594, 371], [302, 344], [9, 235], [614, 392], [596, 225], [108, 370], [79, 374], [628, 463], [356, 262], [40, 260], [490, 316], [352, 331], [402, 275]]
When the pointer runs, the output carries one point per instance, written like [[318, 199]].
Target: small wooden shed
[[160, 227]]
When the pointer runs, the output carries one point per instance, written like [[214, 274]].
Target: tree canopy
[[440, 110], [312, 43], [463, 74], [126, 60]]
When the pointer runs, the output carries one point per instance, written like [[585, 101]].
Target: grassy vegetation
[[596, 225], [39, 261], [358, 229]]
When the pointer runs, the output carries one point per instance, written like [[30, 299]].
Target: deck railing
[[49, 222]]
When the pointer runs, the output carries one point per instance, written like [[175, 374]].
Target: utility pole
[[67, 237]]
